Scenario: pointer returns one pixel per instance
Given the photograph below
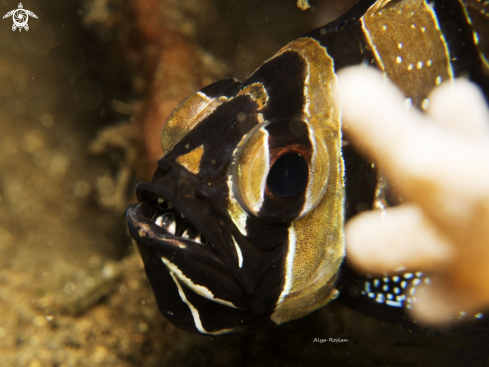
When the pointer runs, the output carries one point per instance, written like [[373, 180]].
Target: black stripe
[[345, 40], [458, 34], [283, 77]]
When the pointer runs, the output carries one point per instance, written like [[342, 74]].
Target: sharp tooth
[[185, 234], [160, 201], [197, 239], [172, 227], [167, 221], [159, 221]]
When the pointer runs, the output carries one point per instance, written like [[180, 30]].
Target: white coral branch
[[440, 163]]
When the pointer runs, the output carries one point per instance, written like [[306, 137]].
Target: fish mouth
[[173, 222], [157, 221]]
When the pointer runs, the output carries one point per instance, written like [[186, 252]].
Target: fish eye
[[281, 170], [288, 175]]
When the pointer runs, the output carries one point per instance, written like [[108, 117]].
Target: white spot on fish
[[393, 303], [399, 45], [425, 104], [419, 65], [429, 62], [260, 118], [399, 59], [367, 286], [408, 275], [410, 67]]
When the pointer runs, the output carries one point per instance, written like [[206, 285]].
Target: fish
[[242, 226]]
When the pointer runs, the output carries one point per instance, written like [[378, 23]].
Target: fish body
[[241, 228]]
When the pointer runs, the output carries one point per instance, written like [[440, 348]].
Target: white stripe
[[266, 157], [238, 216], [199, 289], [393, 303], [289, 264], [238, 251], [195, 313]]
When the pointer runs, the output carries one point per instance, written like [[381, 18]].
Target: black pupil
[[288, 175]]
